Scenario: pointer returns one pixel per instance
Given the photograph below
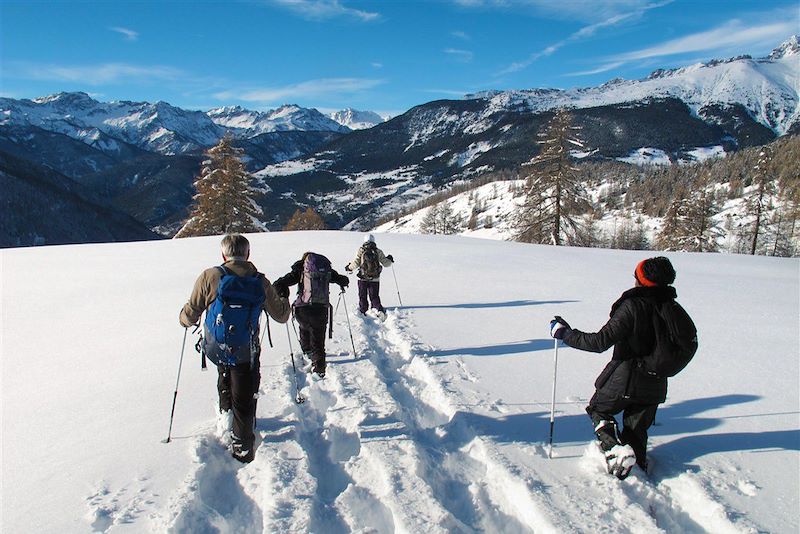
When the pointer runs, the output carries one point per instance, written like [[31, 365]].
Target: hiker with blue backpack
[[313, 275], [233, 295], [369, 261], [653, 339]]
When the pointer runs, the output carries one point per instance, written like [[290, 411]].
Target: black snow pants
[[637, 418], [238, 388], [312, 321]]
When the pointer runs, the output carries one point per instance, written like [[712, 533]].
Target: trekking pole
[[349, 329], [266, 331], [396, 286], [299, 399], [175, 396], [553, 402]]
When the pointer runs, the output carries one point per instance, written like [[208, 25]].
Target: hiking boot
[[607, 434], [242, 454], [318, 372]]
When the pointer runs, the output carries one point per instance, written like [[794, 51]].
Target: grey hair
[[235, 247]]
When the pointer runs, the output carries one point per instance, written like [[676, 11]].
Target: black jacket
[[630, 330], [295, 276]]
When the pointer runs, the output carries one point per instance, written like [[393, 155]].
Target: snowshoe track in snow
[[379, 446]]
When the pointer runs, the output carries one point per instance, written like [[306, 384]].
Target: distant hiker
[[233, 295], [625, 385], [369, 261], [313, 274]]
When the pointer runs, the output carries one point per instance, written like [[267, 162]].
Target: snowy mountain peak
[[355, 119], [790, 47], [76, 99]]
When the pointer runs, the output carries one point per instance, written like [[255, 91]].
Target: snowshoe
[[620, 460]]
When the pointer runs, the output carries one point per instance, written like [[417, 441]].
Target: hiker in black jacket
[[623, 386], [312, 274]]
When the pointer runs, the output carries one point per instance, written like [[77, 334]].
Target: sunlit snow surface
[[438, 423]]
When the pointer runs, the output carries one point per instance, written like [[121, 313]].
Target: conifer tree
[[758, 201], [689, 221], [554, 193], [224, 199], [305, 220]]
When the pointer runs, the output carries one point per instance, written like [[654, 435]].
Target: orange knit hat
[[639, 274]]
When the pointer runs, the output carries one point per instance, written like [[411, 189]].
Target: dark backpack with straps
[[316, 280], [231, 325], [676, 340], [370, 261]]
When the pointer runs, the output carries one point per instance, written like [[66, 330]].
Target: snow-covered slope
[[438, 423], [357, 120], [157, 127], [492, 207], [285, 118], [767, 87]]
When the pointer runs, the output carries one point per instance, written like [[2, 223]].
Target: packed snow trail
[[381, 446]]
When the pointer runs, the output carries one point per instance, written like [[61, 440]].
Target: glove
[[348, 269], [344, 283], [390, 258], [282, 290], [559, 328]]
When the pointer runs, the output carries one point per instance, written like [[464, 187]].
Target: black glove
[[559, 328], [344, 283], [281, 290], [390, 258], [348, 269]]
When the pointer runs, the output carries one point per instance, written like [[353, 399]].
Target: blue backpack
[[231, 324]]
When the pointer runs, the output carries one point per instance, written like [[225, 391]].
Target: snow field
[[441, 422]]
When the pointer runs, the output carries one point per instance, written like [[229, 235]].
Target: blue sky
[[380, 55]]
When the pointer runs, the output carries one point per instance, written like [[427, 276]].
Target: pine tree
[[305, 220], [689, 222], [554, 192], [224, 200], [757, 202]]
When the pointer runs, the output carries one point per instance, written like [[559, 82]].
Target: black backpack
[[676, 340], [316, 280], [370, 261]]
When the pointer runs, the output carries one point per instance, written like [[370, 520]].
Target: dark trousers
[[312, 322], [636, 420], [371, 289], [238, 387]]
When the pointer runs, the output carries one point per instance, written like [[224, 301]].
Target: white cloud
[[325, 9], [465, 56], [448, 92], [377, 65], [733, 34], [130, 35], [309, 88], [583, 10], [460, 35], [583, 33], [93, 74], [602, 68]]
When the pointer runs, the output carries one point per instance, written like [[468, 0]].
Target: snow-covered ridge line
[[767, 87], [158, 127]]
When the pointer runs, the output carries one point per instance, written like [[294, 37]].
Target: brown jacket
[[205, 291]]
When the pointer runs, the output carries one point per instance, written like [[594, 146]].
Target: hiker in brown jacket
[[237, 384]]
